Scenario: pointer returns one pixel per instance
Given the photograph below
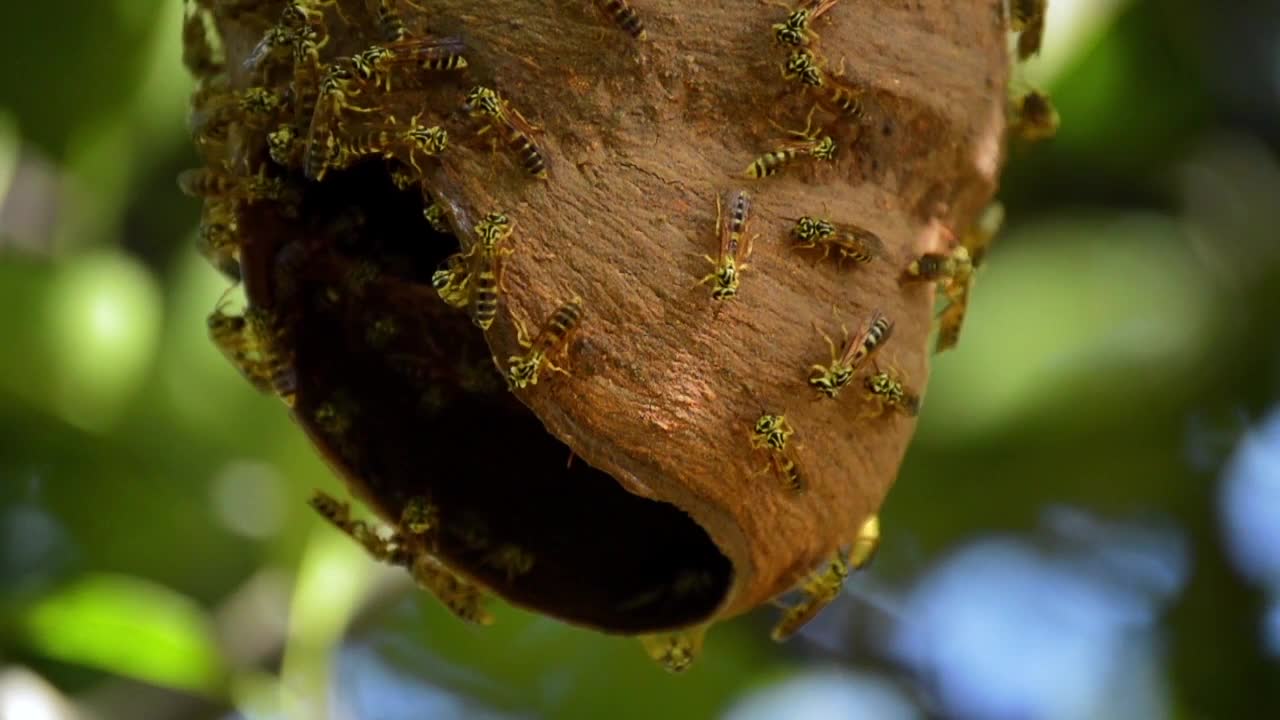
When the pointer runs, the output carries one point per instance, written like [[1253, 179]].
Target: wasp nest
[[548, 283]]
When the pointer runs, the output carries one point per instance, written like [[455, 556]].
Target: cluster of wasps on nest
[[883, 389], [260, 143]]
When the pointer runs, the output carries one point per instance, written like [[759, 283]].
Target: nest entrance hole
[[400, 393]]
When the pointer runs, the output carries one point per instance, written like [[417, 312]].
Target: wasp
[[1028, 22], [253, 107], [1033, 117], [954, 272], [675, 651], [338, 514], [865, 543], [210, 183], [511, 559], [497, 114], [623, 16], [408, 550], [230, 333], [385, 140], [218, 237], [388, 19], [285, 147], [850, 241], [486, 267], [830, 379], [430, 141], [198, 54], [771, 431], [795, 29], [885, 389], [275, 354], [822, 587], [334, 98], [522, 370], [803, 66], [817, 591], [807, 142], [434, 215], [403, 177], [735, 246], [787, 470], [253, 344], [842, 99], [451, 280], [461, 597], [419, 516], [273, 46], [378, 63]]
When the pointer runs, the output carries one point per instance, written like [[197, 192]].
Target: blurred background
[[1087, 524]]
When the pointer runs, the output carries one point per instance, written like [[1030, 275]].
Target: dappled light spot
[[1250, 504], [249, 498], [27, 696], [104, 325], [826, 694], [999, 630], [366, 686], [1107, 304]]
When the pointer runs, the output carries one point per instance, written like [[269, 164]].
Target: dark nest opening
[[400, 393]]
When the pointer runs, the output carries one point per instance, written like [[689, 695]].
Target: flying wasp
[[485, 105], [830, 379], [622, 15], [821, 588], [807, 142], [735, 246], [795, 29], [522, 370], [1028, 22]]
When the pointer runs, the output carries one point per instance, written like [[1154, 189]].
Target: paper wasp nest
[[626, 491]]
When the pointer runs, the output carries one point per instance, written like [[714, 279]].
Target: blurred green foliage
[[1120, 343]]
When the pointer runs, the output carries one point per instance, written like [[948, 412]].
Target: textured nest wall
[[643, 506]]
